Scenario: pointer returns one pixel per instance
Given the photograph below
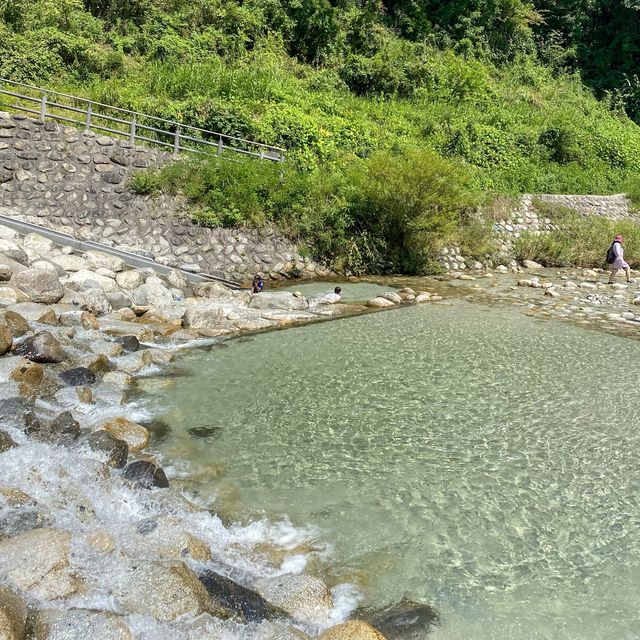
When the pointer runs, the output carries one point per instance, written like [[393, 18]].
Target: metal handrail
[[180, 134]]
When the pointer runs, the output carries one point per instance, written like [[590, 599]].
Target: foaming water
[[475, 459]]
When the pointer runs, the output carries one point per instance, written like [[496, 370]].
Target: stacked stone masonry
[[76, 182], [525, 218]]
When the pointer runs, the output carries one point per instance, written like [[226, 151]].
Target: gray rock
[[406, 620], [40, 286], [94, 301], [145, 474], [16, 521], [41, 347], [232, 598], [63, 430], [77, 377], [99, 259], [115, 449], [6, 339], [5, 273], [152, 295]]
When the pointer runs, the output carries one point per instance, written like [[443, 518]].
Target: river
[[469, 457]]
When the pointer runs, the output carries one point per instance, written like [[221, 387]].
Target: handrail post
[[132, 135], [87, 124], [220, 146], [176, 142], [43, 107]]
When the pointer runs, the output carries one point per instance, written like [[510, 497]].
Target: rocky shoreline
[[94, 542]]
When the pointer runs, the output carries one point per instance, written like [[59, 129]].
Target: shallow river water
[[472, 458]]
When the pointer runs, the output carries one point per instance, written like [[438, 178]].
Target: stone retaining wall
[[76, 182]]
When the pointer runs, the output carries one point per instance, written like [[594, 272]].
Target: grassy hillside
[[392, 139]]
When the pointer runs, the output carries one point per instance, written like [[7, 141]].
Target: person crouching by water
[[258, 284], [615, 257]]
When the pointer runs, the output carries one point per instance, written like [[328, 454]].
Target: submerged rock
[[406, 620], [230, 597], [129, 343], [42, 347], [38, 562], [77, 624], [63, 430], [352, 630], [145, 474], [116, 450], [13, 615], [17, 521]]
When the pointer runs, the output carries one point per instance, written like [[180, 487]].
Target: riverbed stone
[[379, 303], [6, 442], [5, 273], [38, 562], [85, 280], [231, 598], [6, 339], [78, 376], [145, 474], [164, 590], [16, 324], [19, 369], [97, 259], [392, 296], [35, 313], [13, 616], [405, 620], [352, 630], [131, 279], [41, 347], [79, 318], [305, 598], [40, 286], [79, 624], [135, 435], [116, 450], [94, 301], [70, 262]]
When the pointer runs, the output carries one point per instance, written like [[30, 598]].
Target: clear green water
[[477, 459]]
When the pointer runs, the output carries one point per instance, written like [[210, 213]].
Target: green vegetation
[[578, 241], [467, 99]]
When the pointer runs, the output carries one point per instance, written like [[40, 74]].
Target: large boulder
[[11, 295], [40, 286], [77, 624], [211, 290], [115, 449], [13, 616], [352, 630], [280, 300], [164, 590], [379, 302], [303, 597], [98, 259], [78, 377], [41, 347], [152, 295], [85, 280], [136, 436], [215, 318], [19, 369], [34, 312], [38, 562], [70, 263]]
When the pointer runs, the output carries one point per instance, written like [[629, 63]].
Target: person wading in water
[[615, 257]]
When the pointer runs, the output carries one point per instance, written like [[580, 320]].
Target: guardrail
[[135, 126]]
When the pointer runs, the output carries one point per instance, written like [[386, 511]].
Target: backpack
[[611, 254]]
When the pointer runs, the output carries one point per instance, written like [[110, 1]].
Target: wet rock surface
[[145, 474]]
